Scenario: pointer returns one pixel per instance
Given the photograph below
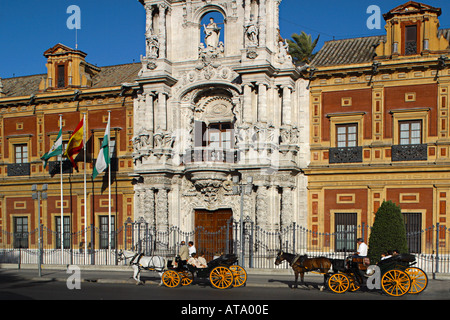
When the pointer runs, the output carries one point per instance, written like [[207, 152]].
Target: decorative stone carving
[[283, 52], [212, 35], [251, 34]]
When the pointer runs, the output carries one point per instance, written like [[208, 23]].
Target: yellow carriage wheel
[[395, 283], [221, 277], [338, 283], [171, 279], [354, 286], [186, 277], [239, 275], [419, 280]]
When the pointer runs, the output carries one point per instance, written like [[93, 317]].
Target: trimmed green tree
[[388, 232]]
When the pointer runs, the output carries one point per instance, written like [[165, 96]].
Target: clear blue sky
[[112, 32]]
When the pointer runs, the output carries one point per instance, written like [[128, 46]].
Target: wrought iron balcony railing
[[211, 155], [410, 152], [345, 155], [54, 167], [19, 169]]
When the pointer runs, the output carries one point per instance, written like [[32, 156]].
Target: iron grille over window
[[345, 224], [410, 40]]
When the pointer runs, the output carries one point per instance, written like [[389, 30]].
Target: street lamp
[[242, 188], [38, 195]]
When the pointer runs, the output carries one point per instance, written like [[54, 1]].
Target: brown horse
[[302, 264]]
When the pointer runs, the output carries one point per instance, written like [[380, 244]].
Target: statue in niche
[[212, 35], [153, 47], [251, 33]]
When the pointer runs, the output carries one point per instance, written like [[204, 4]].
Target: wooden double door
[[214, 232]]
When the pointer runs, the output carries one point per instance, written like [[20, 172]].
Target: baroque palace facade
[[379, 125], [219, 104]]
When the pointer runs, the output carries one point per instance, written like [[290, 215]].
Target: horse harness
[[296, 258], [139, 256]]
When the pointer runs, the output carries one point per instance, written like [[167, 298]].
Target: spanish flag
[[75, 144]]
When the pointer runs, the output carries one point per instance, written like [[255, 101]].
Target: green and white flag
[[55, 150], [103, 159]]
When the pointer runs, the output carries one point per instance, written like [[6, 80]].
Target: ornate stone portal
[[210, 110]]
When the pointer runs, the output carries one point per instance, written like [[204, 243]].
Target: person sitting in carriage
[[202, 260], [193, 261], [360, 256], [362, 249]]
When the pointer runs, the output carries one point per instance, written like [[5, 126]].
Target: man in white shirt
[[362, 248], [191, 248]]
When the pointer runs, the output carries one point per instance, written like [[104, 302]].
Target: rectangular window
[[64, 146], [410, 132], [21, 153], [345, 226], [61, 69], [112, 146], [21, 232], [410, 40], [413, 225], [347, 135], [219, 136], [104, 232], [66, 232]]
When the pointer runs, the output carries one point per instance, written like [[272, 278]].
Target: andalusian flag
[[103, 159], [75, 144], [55, 150]]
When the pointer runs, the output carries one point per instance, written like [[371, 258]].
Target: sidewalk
[[124, 274]]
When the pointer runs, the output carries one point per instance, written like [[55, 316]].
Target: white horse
[[139, 261]]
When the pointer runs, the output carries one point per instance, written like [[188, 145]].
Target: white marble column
[[247, 11], [149, 206], [262, 207], [162, 209], [161, 114], [262, 22], [287, 108], [286, 207], [162, 31], [262, 102], [148, 115], [247, 105]]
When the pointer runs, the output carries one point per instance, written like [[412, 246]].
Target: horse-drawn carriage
[[223, 272], [397, 275]]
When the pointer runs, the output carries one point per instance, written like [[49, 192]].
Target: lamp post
[[241, 188], [38, 195]]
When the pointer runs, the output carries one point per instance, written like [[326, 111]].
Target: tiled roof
[[347, 51], [353, 51], [109, 76], [22, 86]]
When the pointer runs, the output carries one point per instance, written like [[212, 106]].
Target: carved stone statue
[[251, 33], [152, 47], [283, 55], [212, 35]]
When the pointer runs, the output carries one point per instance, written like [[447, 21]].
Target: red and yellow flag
[[75, 144]]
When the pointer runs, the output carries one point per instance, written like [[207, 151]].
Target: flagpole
[[109, 183], [85, 197], [62, 198]]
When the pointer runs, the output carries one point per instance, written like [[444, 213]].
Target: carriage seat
[[363, 263], [402, 259], [225, 259]]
